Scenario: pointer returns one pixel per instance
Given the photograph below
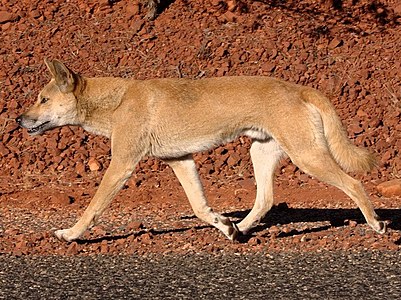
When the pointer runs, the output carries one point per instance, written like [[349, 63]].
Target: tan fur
[[347, 155], [173, 118]]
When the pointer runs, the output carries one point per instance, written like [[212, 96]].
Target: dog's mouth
[[38, 129]]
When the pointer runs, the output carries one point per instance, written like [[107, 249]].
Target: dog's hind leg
[[185, 170], [318, 162], [265, 155]]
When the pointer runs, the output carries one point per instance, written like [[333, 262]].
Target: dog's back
[[217, 110]]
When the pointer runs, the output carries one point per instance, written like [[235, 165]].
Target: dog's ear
[[50, 67], [65, 78]]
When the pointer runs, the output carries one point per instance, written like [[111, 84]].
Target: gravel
[[336, 275]]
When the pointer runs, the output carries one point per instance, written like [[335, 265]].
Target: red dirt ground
[[349, 50]]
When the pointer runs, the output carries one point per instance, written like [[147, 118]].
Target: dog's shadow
[[282, 214], [279, 214]]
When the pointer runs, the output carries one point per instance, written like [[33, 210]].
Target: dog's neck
[[97, 99]]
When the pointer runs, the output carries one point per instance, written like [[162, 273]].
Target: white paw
[[382, 227], [243, 229], [231, 230], [234, 232], [65, 235]]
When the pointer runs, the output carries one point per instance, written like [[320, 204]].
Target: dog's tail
[[347, 155]]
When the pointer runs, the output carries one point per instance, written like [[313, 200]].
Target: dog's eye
[[44, 100]]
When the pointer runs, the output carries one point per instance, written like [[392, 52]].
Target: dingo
[[172, 118]]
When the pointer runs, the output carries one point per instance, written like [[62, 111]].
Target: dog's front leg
[[115, 177], [185, 170]]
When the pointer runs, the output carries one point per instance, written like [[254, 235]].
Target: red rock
[[72, 249], [6, 17], [104, 3], [385, 158], [132, 9], [35, 14], [12, 232], [4, 27], [11, 127], [268, 67], [135, 225], [3, 150], [137, 25], [397, 9], [231, 5], [98, 231], [356, 129], [233, 159], [93, 164], [361, 113], [228, 16], [147, 238], [390, 188], [104, 247], [274, 230], [21, 245], [206, 169], [334, 43], [61, 199], [254, 241], [80, 168]]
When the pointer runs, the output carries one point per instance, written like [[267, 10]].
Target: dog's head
[[56, 105]]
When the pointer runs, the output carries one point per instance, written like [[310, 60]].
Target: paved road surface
[[280, 276]]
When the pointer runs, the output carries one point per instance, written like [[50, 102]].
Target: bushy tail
[[347, 155]]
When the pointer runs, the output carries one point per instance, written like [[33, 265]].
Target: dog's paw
[[232, 232], [382, 227], [64, 235]]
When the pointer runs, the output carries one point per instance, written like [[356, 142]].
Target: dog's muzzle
[[30, 125]]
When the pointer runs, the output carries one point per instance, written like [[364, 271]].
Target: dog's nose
[[18, 120]]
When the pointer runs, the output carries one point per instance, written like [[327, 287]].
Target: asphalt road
[[336, 275]]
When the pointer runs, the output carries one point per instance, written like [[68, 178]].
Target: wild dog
[[172, 118]]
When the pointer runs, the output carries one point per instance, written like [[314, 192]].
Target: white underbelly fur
[[180, 148]]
